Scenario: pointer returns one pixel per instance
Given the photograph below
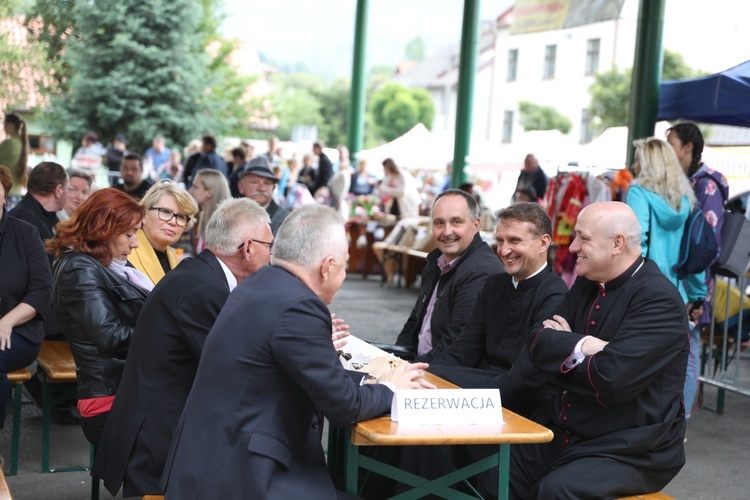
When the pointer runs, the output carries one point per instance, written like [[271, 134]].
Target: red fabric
[[95, 406]]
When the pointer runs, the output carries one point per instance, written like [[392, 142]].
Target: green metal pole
[[466, 74], [644, 87], [357, 102]]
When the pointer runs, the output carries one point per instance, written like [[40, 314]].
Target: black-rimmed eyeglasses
[[166, 215], [269, 243]]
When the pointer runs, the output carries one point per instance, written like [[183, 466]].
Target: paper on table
[[364, 355]]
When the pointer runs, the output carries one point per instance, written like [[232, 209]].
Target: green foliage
[[610, 92], [415, 50], [16, 62], [230, 107], [139, 67], [395, 109], [538, 117], [675, 67], [305, 99], [57, 29]]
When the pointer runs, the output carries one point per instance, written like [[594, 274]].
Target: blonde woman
[[170, 210], [209, 188], [662, 199]]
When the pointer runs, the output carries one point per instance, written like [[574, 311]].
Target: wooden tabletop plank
[[385, 432], [57, 362]]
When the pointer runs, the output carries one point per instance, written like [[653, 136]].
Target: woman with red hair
[[97, 297]]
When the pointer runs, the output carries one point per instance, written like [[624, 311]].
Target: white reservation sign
[[447, 407]]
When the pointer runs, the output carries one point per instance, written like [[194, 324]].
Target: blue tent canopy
[[723, 98]]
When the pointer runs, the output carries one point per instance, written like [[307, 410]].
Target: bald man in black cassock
[[617, 351]]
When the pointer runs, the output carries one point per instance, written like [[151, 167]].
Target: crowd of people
[[209, 376]]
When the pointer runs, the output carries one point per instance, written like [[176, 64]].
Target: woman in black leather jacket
[[97, 298]]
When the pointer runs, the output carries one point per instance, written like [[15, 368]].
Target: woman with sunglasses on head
[[169, 213], [97, 298]]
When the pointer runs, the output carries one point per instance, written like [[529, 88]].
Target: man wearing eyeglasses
[[251, 427], [258, 183], [167, 344], [131, 172]]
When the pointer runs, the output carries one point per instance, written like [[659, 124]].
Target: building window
[[42, 144], [550, 54], [512, 64], [507, 126], [586, 134], [592, 56]]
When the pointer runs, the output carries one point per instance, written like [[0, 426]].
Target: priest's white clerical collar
[[515, 283]]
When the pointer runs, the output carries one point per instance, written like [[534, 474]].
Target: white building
[[553, 68], [556, 68]]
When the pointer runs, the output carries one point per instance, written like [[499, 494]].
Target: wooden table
[[384, 432], [362, 259]]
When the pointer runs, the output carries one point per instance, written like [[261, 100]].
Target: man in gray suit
[[249, 428]]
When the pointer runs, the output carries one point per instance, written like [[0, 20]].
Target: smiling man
[[616, 349], [455, 273], [509, 307]]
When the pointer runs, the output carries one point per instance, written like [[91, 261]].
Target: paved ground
[[717, 448]]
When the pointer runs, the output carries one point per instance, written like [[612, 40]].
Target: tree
[[610, 92], [396, 109], [22, 62], [537, 117], [52, 23], [138, 67], [415, 50]]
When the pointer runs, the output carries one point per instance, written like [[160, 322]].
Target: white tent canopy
[[417, 149]]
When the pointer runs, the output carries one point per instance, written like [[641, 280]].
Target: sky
[[711, 35]]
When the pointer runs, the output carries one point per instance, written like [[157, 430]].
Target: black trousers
[[93, 427]]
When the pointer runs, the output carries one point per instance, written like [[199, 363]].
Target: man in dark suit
[[452, 278], [249, 428], [325, 168], [616, 349], [167, 344]]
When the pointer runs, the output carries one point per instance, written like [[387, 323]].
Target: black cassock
[[618, 417]]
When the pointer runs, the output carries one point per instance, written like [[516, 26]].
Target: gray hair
[[75, 172], [308, 235], [631, 228], [472, 207], [230, 224]]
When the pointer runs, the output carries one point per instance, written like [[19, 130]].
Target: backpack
[[698, 248]]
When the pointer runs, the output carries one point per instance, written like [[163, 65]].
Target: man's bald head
[[607, 240]]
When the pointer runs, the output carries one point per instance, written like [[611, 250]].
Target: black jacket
[[456, 297], [24, 275], [162, 361], [98, 310]]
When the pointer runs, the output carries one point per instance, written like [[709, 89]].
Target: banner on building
[[530, 16]]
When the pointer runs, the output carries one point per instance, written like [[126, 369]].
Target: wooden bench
[[56, 361], [16, 378], [649, 496], [398, 253], [5, 493]]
